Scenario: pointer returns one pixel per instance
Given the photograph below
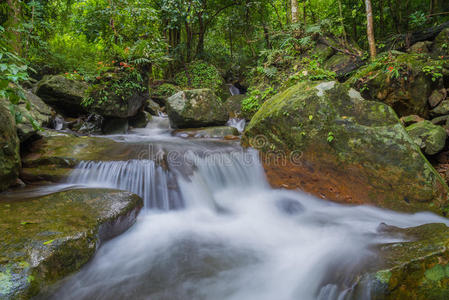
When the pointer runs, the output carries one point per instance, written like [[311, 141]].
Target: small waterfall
[[238, 124], [142, 177], [234, 90]]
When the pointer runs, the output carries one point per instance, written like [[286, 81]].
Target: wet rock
[[140, 120], [9, 149], [196, 108], [414, 269], [234, 106], [115, 126], [441, 44], [116, 107], [91, 125], [46, 238], [324, 138], [441, 120], [429, 137], [63, 94], [441, 109], [152, 107], [207, 132], [436, 97], [409, 120], [290, 206]]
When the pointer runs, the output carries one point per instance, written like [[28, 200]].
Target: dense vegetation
[[163, 37]]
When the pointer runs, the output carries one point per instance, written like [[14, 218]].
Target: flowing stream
[[213, 228]]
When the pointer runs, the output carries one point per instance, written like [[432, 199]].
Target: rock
[[409, 120], [441, 120], [322, 51], [196, 108], [341, 64], [63, 94], [420, 48], [207, 132], [234, 106], [47, 238], [441, 109], [115, 126], [93, 124], [116, 107], [414, 269], [408, 94], [436, 97], [9, 149], [324, 138], [140, 120], [441, 44], [429, 137], [152, 107]]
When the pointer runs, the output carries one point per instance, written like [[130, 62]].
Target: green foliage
[[254, 100], [330, 137], [165, 90], [435, 71], [200, 74]]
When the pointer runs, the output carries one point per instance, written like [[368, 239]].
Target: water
[[239, 124], [233, 90], [214, 229]]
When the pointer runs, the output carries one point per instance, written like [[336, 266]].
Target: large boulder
[[429, 137], [415, 268], [327, 140], [342, 64], [9, 149], [63, 94], [116, 107], [196, 108], [46, 238], [408, 92]]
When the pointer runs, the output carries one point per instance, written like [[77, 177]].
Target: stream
[[213, 228]]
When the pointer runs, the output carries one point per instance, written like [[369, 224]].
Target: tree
[[294, 8], [370, 29]]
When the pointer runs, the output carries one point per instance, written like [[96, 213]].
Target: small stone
[[441, 109], [429, 137], [436, 97], [409, 120]]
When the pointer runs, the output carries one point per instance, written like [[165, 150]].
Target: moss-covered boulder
[[441, 109], [63, 94], [341, 64], [399, 80], [429, 137], [420, 48], [234, 106], [441, 44], [208, 132], [9, 149], [326, 139], [152, 107], [46, 238], [117, 107], [417, 268], [196, 108], [56, 154]]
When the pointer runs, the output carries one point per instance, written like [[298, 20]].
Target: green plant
[[330, 137], [200, 74], [435, 71], [255, 99]]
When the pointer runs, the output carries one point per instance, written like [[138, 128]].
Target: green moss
[[200, 74], [437, 273], [384, 276]]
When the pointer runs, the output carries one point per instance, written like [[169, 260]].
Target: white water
[[236, 239], [238, 124]]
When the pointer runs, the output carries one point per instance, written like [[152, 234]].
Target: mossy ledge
[[46, 238]]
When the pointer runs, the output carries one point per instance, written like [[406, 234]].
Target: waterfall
[[142, 177], [238, 124], [233, 90]]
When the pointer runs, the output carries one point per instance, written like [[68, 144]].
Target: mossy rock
[[63, 94], [196, 108], [429, 137], [441, 109], [322, 51], [46, 238], [116, 107], [152, 107], [326, 139], [441, 44], [9, 149], [408, 94], [207, 132], [417, 268], [341, 64], [161, 92]]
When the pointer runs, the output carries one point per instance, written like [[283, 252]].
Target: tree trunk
[[201, 34], [14, 23], [304, 12], [370, 29], [294, 7], [340, 9]]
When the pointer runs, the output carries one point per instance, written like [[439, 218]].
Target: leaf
[[48, 242], [25, 223], [310, 117]]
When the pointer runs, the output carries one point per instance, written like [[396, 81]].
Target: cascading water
[[236, 237], [238, 124]]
